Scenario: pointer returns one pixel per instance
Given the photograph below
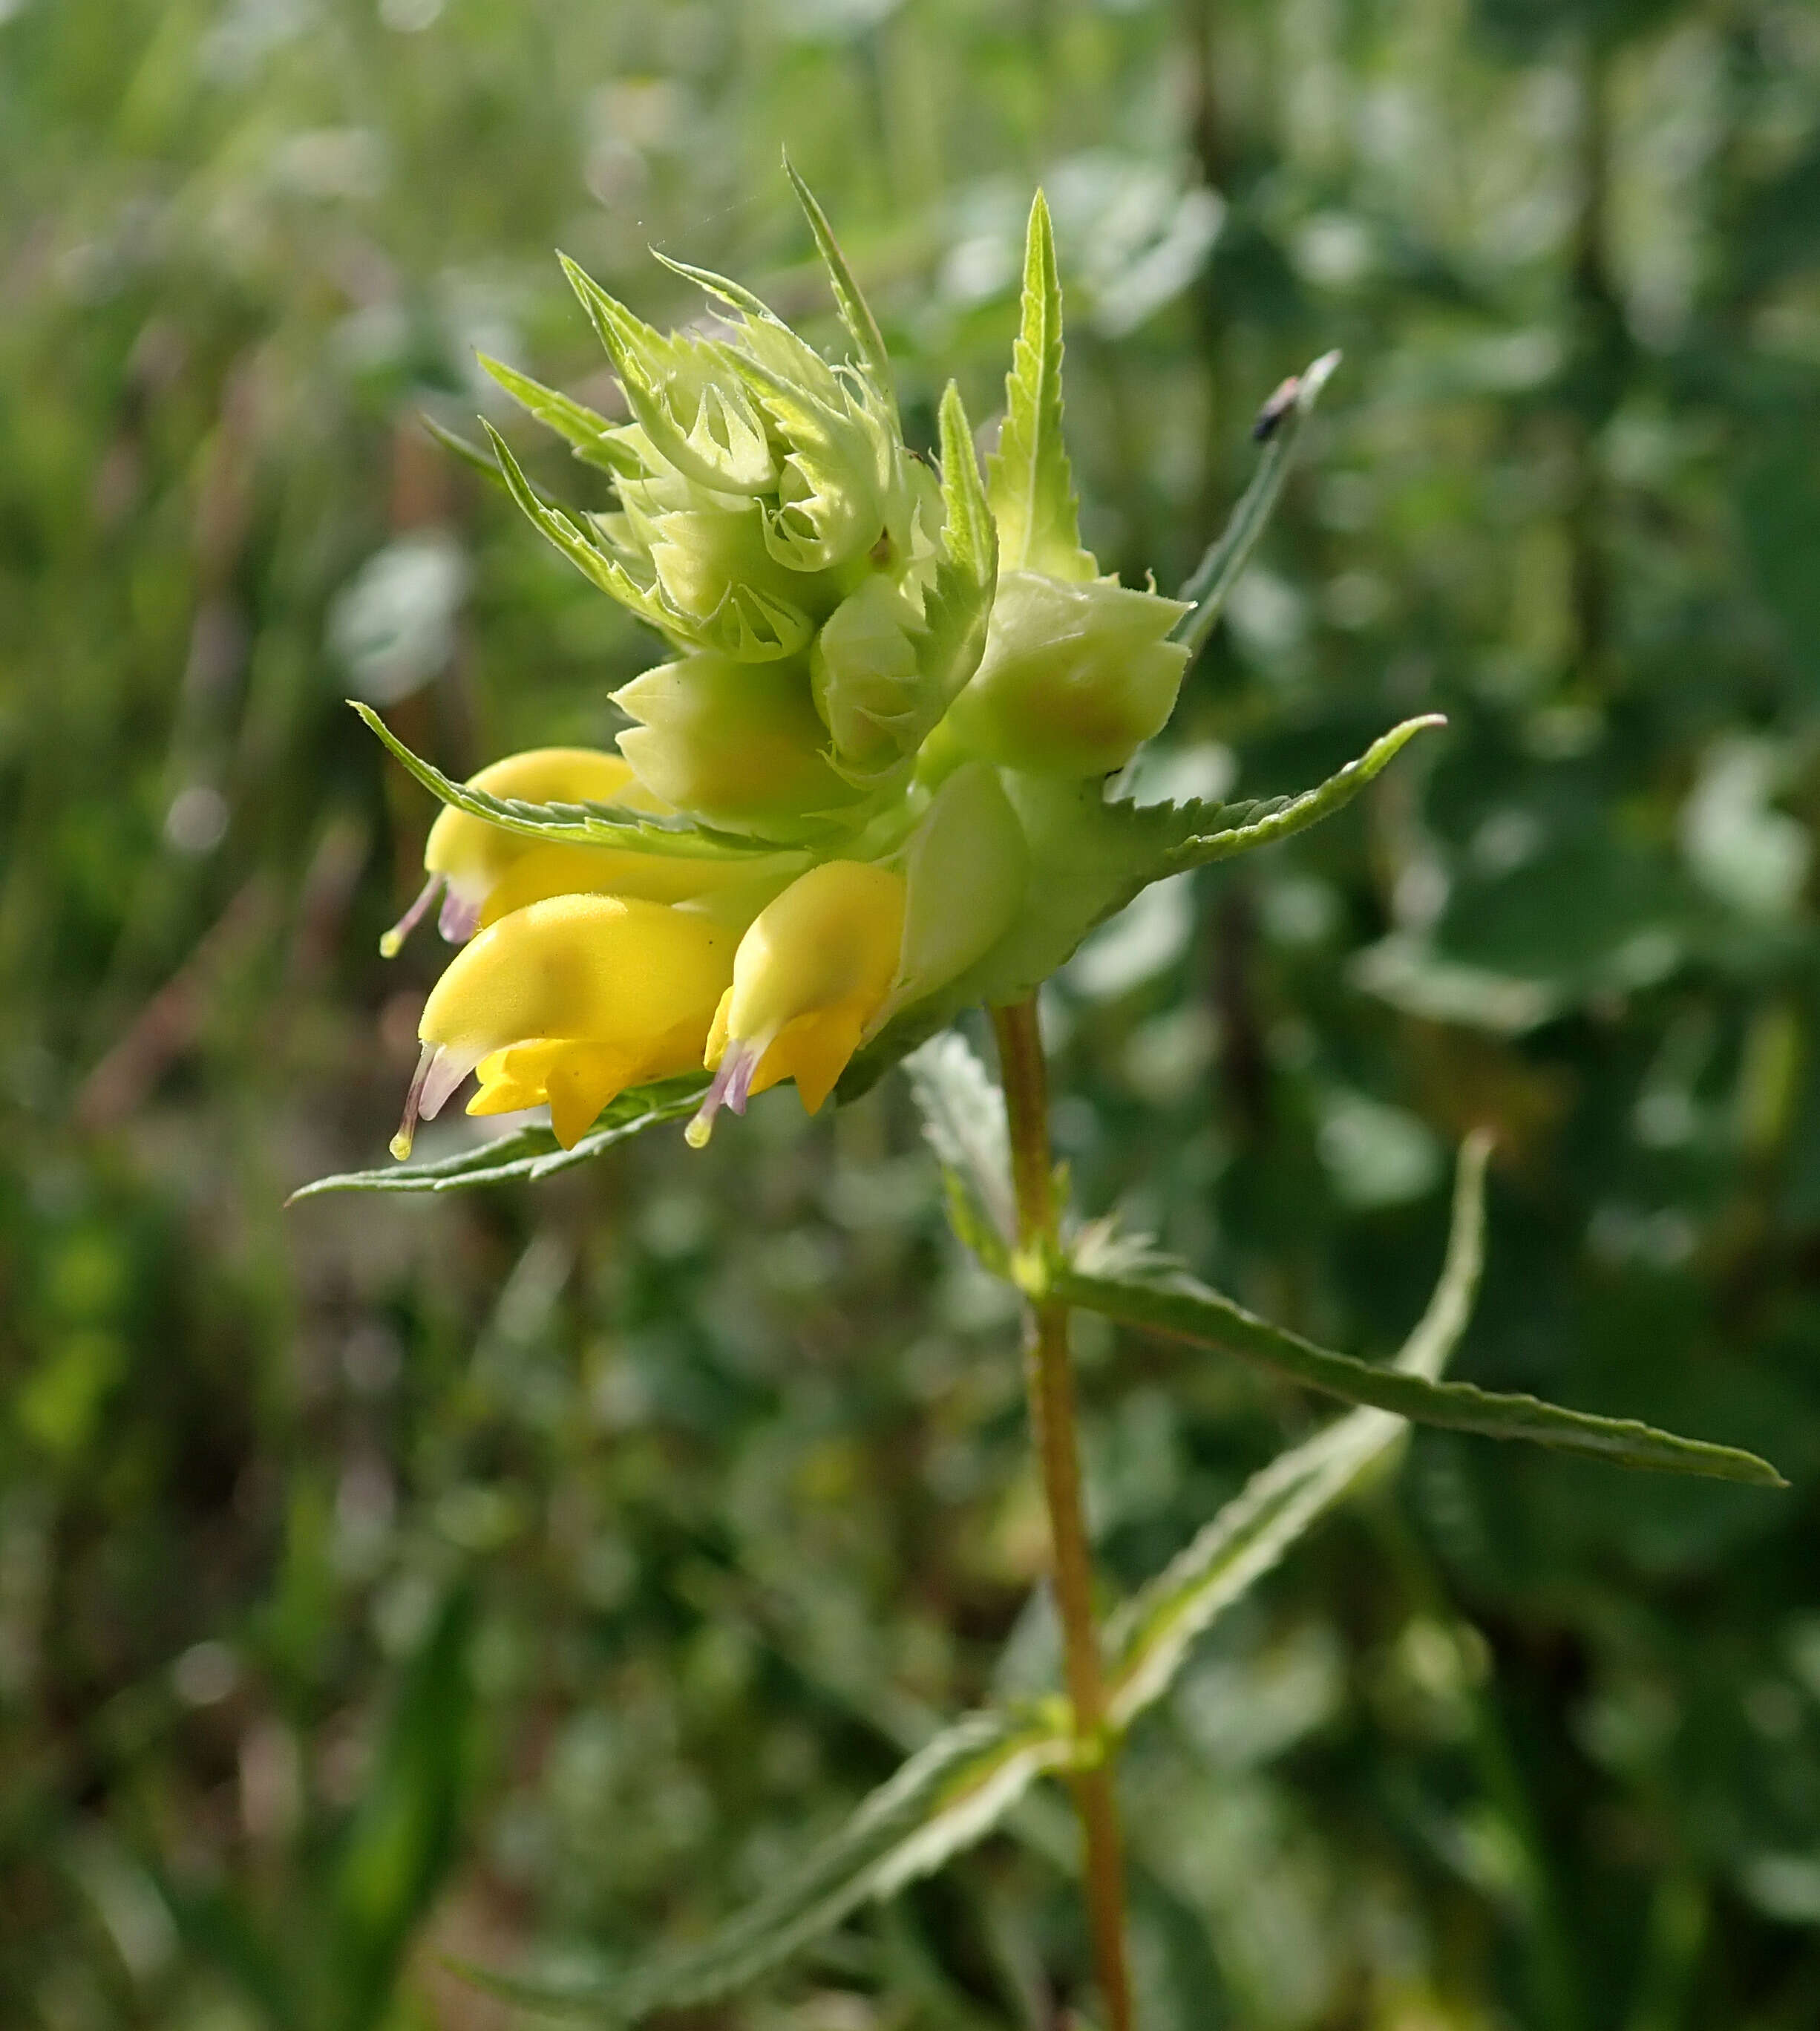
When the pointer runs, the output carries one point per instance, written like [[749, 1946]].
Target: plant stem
[[1049, 1380]]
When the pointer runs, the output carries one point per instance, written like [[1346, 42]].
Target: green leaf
[[855, 313], [947, 1797], [1213, 579], [588, 432], [1032, 487], [963, 1114], [530, 1153], [1149, 1638], [587, 825], [1176, 1305]]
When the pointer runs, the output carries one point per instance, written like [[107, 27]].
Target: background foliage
[[542, 1568]]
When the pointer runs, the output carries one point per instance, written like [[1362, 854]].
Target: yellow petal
[[603, 969], [559, 870]]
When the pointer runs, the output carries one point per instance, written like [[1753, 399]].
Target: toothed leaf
[[1095, 855]]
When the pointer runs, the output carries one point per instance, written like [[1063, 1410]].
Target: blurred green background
[[539, 1571]]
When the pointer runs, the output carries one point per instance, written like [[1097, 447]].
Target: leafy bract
[[584, 823], [529, 1153], [1149, 1638], [1030, 481], [947, 1797]]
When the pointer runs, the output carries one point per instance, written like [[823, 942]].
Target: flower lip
[[813, 970]]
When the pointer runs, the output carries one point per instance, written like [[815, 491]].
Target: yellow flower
[[811, 974], [570, 1001], [466, 857]]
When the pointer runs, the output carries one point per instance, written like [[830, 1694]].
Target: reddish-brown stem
[[1049, 1380]]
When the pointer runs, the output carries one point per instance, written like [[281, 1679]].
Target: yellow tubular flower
[[811, 974], [466, 857], [570, 1000]]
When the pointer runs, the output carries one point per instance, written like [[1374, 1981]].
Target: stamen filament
[[393, 940]]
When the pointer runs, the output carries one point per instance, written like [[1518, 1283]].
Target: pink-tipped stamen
[[394, 938], [732, 1084], [459, 919], [440, 1071], [407, 1133]]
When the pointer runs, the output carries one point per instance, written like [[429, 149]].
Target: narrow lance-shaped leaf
[[529, 1153], [1213, 579], [1030, 481], [1183, 1309], [1150, 1638], [588, 824], [855, 312], [948, 1797]]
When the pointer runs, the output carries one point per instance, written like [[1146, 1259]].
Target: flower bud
[[866, 683], [737, 744], [1074, 676], [810, 975], [570, 1001]]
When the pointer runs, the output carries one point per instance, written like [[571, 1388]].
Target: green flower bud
[[1074, 676], [737, 744], [867, 682]]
